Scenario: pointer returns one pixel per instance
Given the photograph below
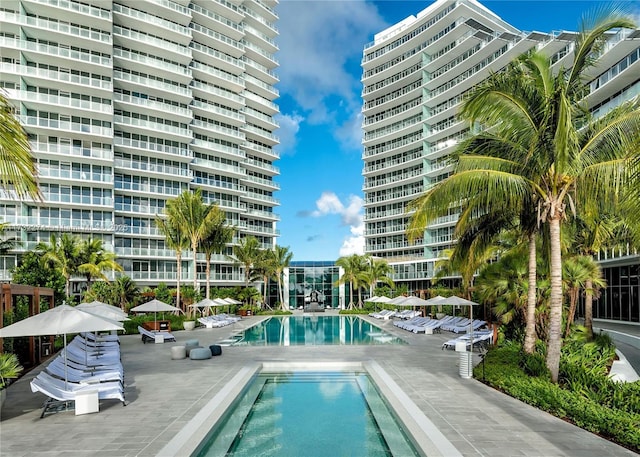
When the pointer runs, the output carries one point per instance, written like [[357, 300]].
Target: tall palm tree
[[247, 253], [378, 270], [353, 267], [63, 255], [18, 172], [215, 242], [196, 220], [175, 239], [282, 258], [265, 266], [551, 153], [95, 260]]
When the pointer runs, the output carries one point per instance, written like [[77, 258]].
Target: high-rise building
[[415, 75], [127, 104]]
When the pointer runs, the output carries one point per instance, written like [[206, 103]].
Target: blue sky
[[321, 43]]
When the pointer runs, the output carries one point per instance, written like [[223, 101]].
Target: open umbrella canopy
[[232, 301], [397, 300], [103, 310], [382, 299], [414, 301], [60, 320], [457, 301], [154, 306]]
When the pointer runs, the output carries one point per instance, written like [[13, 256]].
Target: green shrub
[[354, 311], [588, 398]]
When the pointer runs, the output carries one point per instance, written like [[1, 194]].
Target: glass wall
[[621, 299], [305, 277]]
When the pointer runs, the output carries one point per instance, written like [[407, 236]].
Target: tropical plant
[[6, 244], [190, 295], [265, 267], [247, 253], [32, 271], [378, 270], [125, 292], [175, 239], [163, 293], [63, 255], [215, 242], [195, 219], [94, 260], [9, 368], [541, 146], [577, 272], [18, 172], [353, 266], [101, 291]]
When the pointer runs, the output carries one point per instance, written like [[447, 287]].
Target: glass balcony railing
[[66, 125], [24, 70]]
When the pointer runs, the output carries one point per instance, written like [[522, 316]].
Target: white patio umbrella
[[397, 300], [154, 306], [103, 310], [60, 320], [459, 301], [232, 301]]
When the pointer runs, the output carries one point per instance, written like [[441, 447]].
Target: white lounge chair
[[148, 335], [61, 392]]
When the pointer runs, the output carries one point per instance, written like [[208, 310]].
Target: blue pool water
[[313, 330], [310, 414]]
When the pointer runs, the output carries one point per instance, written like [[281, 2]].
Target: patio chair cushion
[[200, 353]]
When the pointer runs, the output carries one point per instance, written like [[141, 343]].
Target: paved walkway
[[164, 394]]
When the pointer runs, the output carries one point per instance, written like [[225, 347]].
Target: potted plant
[[9, 368], [189, 295]]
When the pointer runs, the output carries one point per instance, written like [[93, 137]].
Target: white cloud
[[321, 44], [353, 244], [289, 127], [350, 215]]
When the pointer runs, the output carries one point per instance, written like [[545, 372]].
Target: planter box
[[189, 325], [244, 312]]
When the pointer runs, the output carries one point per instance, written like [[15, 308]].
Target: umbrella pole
[[65, 361]]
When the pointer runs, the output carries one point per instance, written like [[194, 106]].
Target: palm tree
[[63, 255], [174, 239], [265, 268], [215, 242], [353, 267], [95, 260], [542, 147], [6, 244], [247, 253], [282, 258], [18, 171], [378, 270], [576, 272], [195, 219], [124, 291]]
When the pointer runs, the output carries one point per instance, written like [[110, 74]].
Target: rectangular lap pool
[[316, 409], [312, 331]]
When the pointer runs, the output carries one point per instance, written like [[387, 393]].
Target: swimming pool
[[377, 410], [311, 414], [314, 331]]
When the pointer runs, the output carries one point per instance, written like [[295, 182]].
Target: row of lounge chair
[[218, 320], [450, 323], [387, 314], [88, 364]]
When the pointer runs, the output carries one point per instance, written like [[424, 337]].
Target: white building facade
[[415, 75], [127, 104]]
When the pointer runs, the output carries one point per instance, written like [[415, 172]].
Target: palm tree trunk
[[194, 248], [530, 328], [573, 300], [555, 308], [208, 273], [588, 308], [178, 278], [350, 295], [280, 294]]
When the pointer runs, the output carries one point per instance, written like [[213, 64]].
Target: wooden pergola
[[9, 294]]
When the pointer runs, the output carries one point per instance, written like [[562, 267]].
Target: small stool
[[190, 344], [200, 353], [215, 349], [178, 352]]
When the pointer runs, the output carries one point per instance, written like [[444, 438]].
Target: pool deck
[[163, 395]]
